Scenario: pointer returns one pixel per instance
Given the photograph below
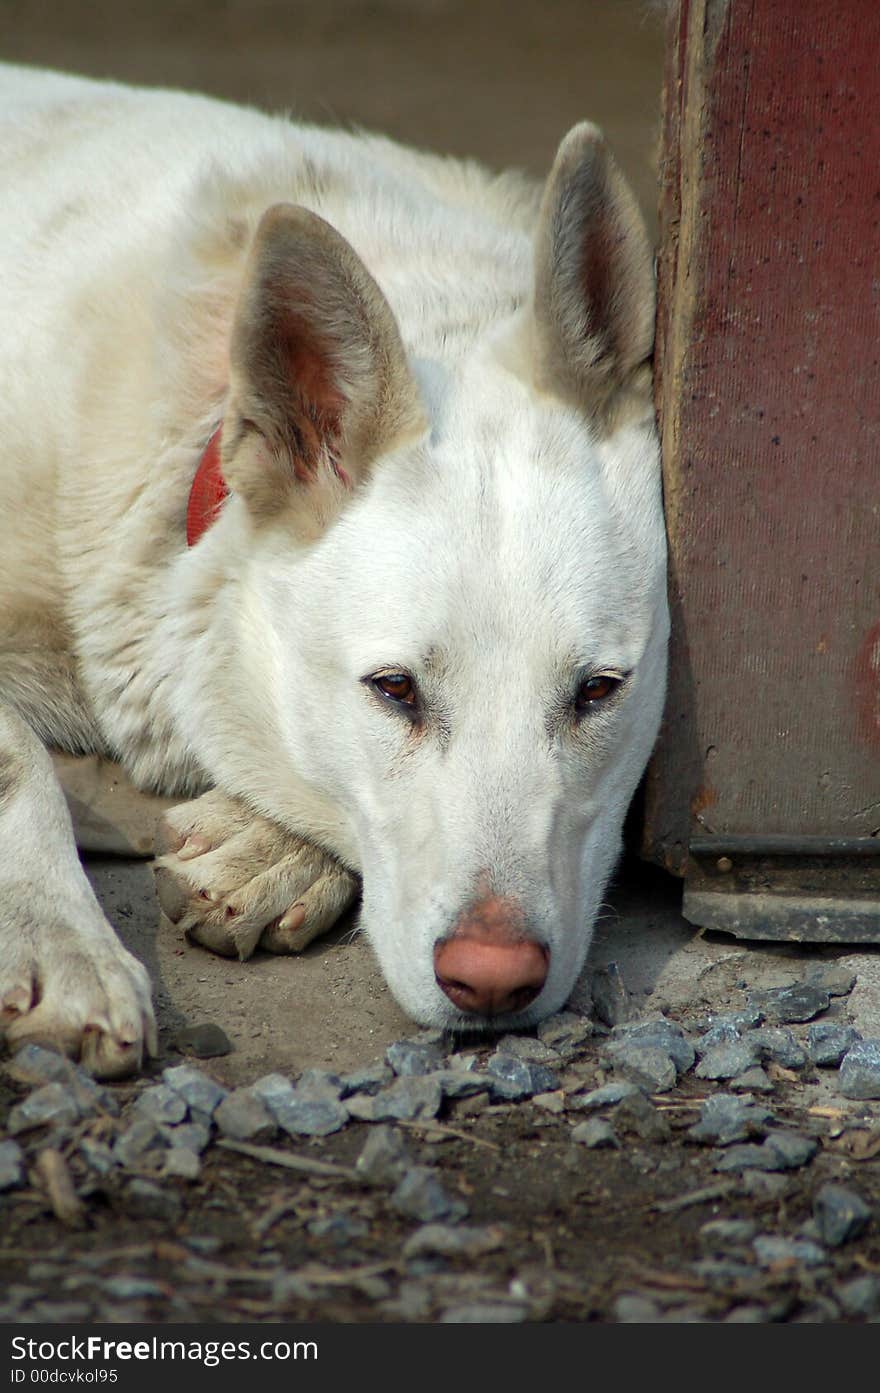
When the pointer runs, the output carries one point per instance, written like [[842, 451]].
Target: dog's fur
[[434, 386]]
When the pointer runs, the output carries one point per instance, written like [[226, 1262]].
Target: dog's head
[[457, 576]]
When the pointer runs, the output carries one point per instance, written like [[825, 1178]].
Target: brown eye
[[596, 690], [397, 686]]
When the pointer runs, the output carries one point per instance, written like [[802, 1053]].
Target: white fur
[[516, 541]]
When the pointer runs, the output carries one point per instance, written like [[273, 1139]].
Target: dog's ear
[[319, 382], [594, 276]]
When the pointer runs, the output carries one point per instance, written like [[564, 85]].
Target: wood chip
[[702, 1196], [67, 1206], [274, 1156]]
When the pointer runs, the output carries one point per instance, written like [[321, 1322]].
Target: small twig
[[273, 1156], [701, 1196], [66, 1204], [418, 1125]]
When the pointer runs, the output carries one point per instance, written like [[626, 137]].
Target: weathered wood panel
[[769, 397]]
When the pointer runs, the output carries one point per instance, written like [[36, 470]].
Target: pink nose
[[488, 967]]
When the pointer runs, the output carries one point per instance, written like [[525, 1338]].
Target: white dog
[[402, 409]]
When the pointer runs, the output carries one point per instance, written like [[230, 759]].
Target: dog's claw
[[237, 881]]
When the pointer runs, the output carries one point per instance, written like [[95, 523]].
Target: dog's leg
[[235, 881], [65, 979]]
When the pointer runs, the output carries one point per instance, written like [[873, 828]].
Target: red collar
[[207, 493]]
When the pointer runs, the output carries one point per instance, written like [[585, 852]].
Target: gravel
[[161, 1104], [860, 1070], [51, 1105], [195, 1088], [778, 1044], [770, 1249], [408, 1057], [780, 1151], [384, 1159], [420, 1195], [860, 1296], [840, 1214], [11, 1165], [658, 1033], [407, 1099], [650, 1066], [132, 1145], [514, 1078], [725, 1061], [726, 1118], [452, 1242], [594, 1132], [606, 1096], [566, 1032], [611, 1002], [784, 1005], [828, 1042], [243, 1116]]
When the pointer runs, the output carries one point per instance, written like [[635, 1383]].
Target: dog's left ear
[[319, 382], [594, 299]]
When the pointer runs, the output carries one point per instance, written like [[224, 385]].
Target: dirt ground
[[574, 1233]]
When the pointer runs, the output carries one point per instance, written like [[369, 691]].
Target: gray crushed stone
[[132, 1145], [243, 1116], [595, 1132], [146, 1200], [607, 1095], [771, 1248], [840, 1214], [384, 1159], [727, 1060], [832, 978], [182, 1163], [650, 1066], [638, 1114], [780, 1151], [340, 1229], [524, 1047], [318, 1084], [720, 1235], [408, 1099], [447, 1241], [192, 1136], [485, 1313], [514, 1078], [420, 1195], [785, 1005], [408, 1057], [754, 1080], [657, 1033], [778, 1044], [611, 1000], [195, 1088], [727, 1118], [860, 1296], [367, 1080], [859, 1075], [11, 1165], [828, 1042], [566, 1032], [51, 1105], [312, 1117], [161, 1104]]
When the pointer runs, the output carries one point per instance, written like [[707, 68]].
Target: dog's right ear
[[319, 382]]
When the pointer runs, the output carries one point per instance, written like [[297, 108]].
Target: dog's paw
[[233, 881], [73, 987]]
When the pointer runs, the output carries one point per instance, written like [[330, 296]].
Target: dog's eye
[[398, 686], [595, 690]]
